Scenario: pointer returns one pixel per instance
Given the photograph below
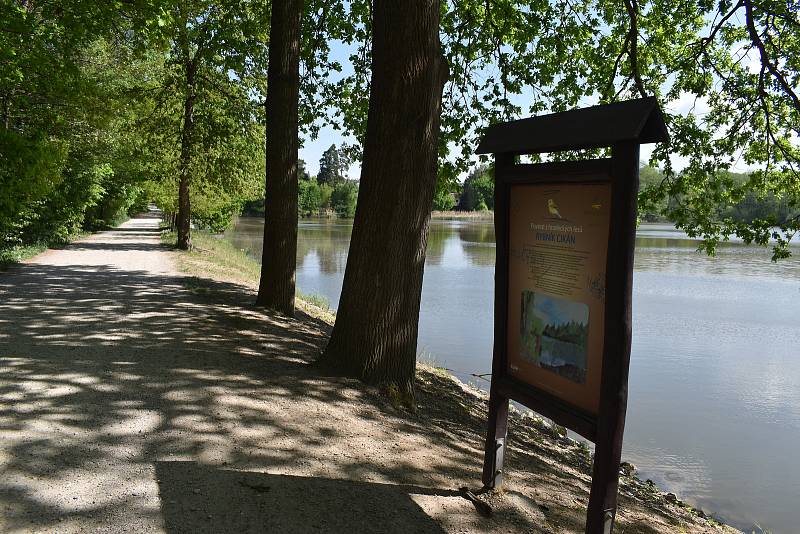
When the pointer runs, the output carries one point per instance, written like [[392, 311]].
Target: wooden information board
[[558, 235], [563, 281]]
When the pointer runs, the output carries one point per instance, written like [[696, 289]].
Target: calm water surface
[[714, 404]]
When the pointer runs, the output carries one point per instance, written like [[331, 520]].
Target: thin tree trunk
[[184, 204], [375, 335], [6, 111], [277, 286]]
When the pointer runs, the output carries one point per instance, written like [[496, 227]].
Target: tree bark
[[276, 289], [184, 204], [375, 335]]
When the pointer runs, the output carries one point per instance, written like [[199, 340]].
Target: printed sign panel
[[558, 243]]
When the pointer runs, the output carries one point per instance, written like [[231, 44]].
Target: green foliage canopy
[[478, 190], [344, 198], [737, 60], [59, 132], [309, 197], [332, 167]]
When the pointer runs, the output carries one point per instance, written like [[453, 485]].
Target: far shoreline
[[480, 216]]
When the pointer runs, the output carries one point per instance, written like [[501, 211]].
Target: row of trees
[[746, 208], [62, 162], [321, 199], [477, 192], [107, 107], [425, 78], [330, 190]]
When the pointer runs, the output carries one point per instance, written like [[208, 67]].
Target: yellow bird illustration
[[553, 208]]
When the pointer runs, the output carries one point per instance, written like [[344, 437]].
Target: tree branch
[[622, 52], [706, 40], [633, 13], [219, 88], [765, 59]]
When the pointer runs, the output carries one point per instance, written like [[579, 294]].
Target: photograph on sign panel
[[554, 334]]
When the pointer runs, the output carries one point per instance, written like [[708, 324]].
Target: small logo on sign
[[552, 208]]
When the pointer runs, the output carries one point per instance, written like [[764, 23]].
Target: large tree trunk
[[184, 205], [276, 288], [375, 335]]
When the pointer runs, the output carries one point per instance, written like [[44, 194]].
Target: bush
[[64, 211], [253, 208], [478, 193], [140, 203], [325, 193], [115, 206], [217, 218], [443, 200], [344, 198], [30, 170], [309, 197]]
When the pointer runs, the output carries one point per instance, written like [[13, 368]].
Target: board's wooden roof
[[638, 120]]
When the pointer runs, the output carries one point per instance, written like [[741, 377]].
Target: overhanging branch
[[766, 61], [633, 38]]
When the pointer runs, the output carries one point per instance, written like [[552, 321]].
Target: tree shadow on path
[[105, 372], [262, 502], [135, 401]]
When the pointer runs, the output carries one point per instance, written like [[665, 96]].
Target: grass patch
[[215, 258], [427, 361], [19, 253], [314, 299], [10, 256]]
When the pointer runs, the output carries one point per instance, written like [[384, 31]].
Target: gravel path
[[133, 399], [129, 403]]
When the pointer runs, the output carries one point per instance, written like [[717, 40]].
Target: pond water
[[714, 402]]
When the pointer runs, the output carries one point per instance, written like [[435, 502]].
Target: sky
[[311, 149], [556, 311]]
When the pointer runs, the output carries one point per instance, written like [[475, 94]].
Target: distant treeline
[[328, 193], [331, 193], [475, 194], [747, 209], [571, 332]]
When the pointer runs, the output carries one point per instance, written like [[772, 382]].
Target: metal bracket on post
[[499, 454], [495, 441], [608, 521]]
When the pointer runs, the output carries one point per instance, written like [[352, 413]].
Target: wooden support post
[[498, 402], [617, 350], [495, 441]]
